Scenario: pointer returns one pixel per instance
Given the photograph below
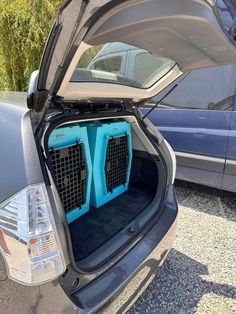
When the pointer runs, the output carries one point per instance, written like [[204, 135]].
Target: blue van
[[202, 128]]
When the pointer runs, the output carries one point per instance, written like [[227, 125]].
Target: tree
[[24, 27]]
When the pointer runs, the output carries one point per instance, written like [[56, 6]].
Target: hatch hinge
[[37, 100], [47, 105]]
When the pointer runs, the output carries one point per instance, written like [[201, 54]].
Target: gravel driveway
[[199, 274]]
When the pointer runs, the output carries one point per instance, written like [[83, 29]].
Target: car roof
[[18, 99], [112, 48]]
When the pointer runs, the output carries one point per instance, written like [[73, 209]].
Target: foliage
[[24, 27]]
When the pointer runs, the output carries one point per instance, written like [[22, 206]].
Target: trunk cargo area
[[105, 177], [99, 225]]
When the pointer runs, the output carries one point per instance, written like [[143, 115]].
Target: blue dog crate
[[72, 168], [111, 154]]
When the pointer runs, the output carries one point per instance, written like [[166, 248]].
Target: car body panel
[[200, 137], [20, 165], [18, 99], [229, 178], [200, 132]]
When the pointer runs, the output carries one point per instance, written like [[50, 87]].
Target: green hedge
[[24, 27]]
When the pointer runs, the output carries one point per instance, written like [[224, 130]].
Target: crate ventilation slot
[[116, 162], [70, 174]]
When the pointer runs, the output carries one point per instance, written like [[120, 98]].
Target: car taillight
[[28, 238]]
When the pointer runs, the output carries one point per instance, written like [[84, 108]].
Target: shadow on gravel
[[205, 199], [178, 287]]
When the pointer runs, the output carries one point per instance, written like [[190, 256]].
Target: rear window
[[122, 64], [112, 64], [149, 68]]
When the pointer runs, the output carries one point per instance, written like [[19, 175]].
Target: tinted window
[[146, 63], [112, 64], [211, 89], [103, 64]]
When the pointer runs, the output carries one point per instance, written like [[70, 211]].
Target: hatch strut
[[167, 94], [49, 99], [47, 104], [154, 107]]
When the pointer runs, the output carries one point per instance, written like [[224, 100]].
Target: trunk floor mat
[[100, 224]]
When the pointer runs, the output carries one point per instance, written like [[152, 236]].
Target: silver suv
[[86, 192]]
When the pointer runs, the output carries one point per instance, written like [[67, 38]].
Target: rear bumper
[[119, 287]]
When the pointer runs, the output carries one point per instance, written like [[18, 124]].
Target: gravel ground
[[199, 274]]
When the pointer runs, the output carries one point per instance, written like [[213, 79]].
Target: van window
[[209, 89], [112, 64], [104, 64], [144, 65]]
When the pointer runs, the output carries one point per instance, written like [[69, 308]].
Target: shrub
[[24, 27]]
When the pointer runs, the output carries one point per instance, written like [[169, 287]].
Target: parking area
[[199, 274]]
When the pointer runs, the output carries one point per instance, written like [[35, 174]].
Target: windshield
[[123, 64]]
